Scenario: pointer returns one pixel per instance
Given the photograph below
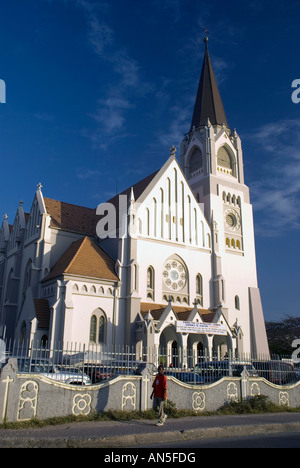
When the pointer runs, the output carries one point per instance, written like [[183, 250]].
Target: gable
[[33, 222], [84, 258], [17, 229], [168, 210]]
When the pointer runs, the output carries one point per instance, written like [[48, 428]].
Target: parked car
[[188, 377], [212, 371], [276, 371], [99, 374], [46, 368]]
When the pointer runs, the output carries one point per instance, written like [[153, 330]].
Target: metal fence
[[82, 365]]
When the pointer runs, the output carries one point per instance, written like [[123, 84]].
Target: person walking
[[160, 395]]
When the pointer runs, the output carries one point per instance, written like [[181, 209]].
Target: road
[[202, 430], [280, 440]]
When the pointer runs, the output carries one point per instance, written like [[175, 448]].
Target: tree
[[282, 334]]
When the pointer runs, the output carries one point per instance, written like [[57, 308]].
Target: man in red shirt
[[160, 394]]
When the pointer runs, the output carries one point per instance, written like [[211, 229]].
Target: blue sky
[[98, 91]]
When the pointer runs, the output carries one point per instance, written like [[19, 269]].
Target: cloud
[[276, 196], [87, 173], [110, 114]]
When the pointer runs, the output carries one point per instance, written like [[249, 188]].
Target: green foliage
[[256, 404], [282, 334]]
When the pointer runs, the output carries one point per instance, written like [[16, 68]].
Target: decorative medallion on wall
[[174, 275], [284, 399], [255, 389], [28, 401], [129, 397], [199, 401], [81, 404], [232, 392]]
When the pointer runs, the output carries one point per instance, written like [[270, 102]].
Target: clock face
[[232, 220], [174, 275]]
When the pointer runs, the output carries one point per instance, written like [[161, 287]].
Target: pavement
[[124, 434]]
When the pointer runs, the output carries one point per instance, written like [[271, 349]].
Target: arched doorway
[[197, 348], [222, 346], [200, 351], [170, 347]]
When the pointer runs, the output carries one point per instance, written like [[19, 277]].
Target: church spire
[[208, 101]]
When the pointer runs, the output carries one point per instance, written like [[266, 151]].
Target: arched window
[[9, 286], [196, 161], [27, 277], [226, 161], [44, 341], [101, 335], [147, 222], [93, 329], [237, 302], [23, 333], [150, 282], [199, 289], [98, 327]]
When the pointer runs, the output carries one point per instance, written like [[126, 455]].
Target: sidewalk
[[113, 434]]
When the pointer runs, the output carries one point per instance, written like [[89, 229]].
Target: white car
[[48, 369]]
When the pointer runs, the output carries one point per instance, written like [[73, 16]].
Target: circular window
[[174, 275], [232, 220]]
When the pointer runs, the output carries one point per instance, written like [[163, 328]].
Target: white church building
[[168, 263]]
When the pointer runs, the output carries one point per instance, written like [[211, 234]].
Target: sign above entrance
[[201, 328]]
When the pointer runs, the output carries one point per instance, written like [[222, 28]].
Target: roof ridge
[[81, 242], [71, 204]]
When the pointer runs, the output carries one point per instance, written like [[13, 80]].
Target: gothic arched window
[[101, 335], [9, 286], [93, 329], [98, 327], [150, 283], [196, 161], [199, 289], [27, 277], [23, 333], [226, 161]]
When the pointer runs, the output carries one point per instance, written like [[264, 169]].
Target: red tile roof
[[71, 217], [84, 258], [182, 313]]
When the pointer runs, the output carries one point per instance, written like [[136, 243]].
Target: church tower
[[212, 161]]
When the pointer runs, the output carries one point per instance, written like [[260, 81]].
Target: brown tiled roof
[[182, 313], [84, 258], [71, 217], [42, 312], [84, 220]]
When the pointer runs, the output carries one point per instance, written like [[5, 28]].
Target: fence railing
[[81, 364]]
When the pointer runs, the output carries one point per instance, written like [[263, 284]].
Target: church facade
[[173, 252]]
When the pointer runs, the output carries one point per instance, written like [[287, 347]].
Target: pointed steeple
[[208, 101]]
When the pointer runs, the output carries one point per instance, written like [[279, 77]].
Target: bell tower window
[[195, 163], [226, 161]]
